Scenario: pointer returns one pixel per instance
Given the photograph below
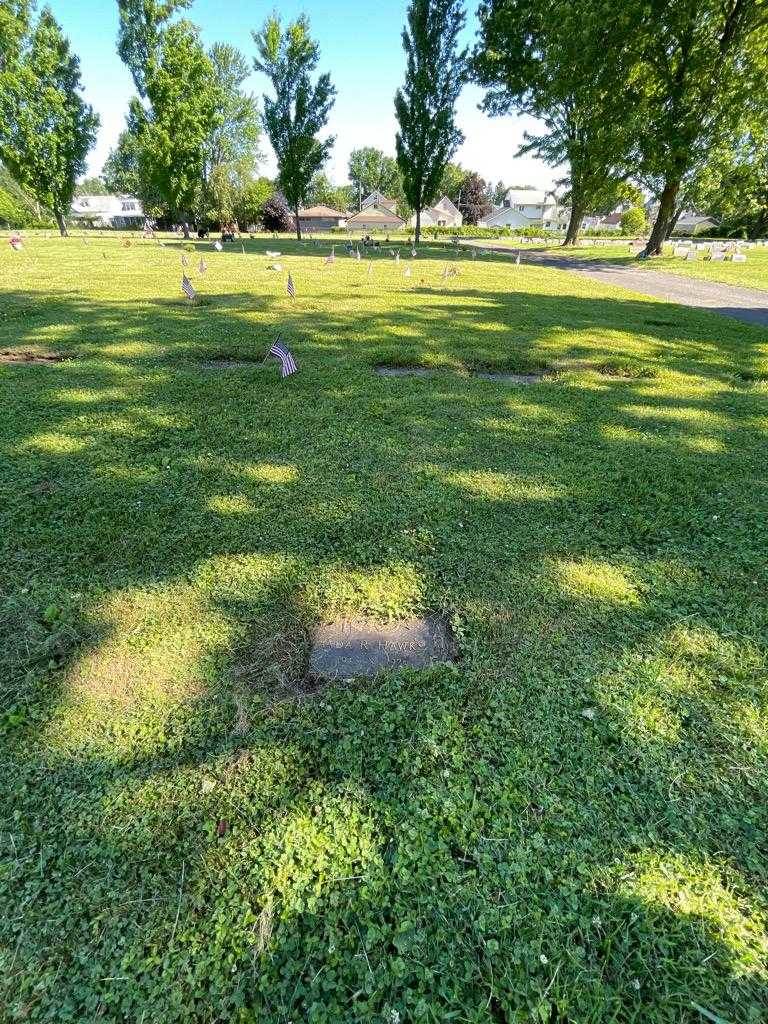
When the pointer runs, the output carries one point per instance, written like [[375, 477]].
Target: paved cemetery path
[[748, 304]]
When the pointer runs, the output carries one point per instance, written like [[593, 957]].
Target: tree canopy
[[299, 109], [696, 63], [547, 59], [371, 170], [46, 127], [425, 106]]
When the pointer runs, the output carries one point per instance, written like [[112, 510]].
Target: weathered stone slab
[[354, 647], [511, 378]]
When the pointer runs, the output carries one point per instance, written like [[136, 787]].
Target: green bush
[[633, 221]]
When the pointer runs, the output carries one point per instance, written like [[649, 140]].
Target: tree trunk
[[760, 227], [574, 226], [60, 221], [666, 212], [417, 236], [675, 218], [298, 224]]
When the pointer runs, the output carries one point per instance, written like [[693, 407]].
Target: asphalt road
[[747, 304]]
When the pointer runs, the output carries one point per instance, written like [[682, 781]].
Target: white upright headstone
[[739, 257], [691, 254]]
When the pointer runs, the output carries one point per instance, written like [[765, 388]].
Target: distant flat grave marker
[[355, 647]]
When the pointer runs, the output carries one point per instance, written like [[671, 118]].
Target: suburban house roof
[[377, 199], [372, 215], [613, 218], [529, 197], [320, 211], [444, 206]]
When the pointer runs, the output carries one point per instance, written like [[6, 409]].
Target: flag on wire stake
[[397, 258], [407, 272], [517, 261], [357, 254], [287, 362], [202, 266], [186, 287], [370, 268], [332, 257], [242, 246], [291, 288], [184, 260]]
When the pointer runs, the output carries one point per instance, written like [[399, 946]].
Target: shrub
[[633, 221]]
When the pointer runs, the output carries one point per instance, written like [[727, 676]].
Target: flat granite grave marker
[[354, 647]]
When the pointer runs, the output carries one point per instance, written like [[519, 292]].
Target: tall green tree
[[452, 182], [371, 170], [46, 127], [322, 192], [299, 109], [121, 168], [232, 147], [140, 33], [92, 186], [695, 60], [425, 107], [549, 59], [173, 127]]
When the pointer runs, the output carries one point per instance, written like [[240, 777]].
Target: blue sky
[[360, 46]]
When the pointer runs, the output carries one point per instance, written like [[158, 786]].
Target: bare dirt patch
[[28, 355]]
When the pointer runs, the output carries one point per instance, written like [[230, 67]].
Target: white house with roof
[[119, 212], [442, 215], [532, 208], [379, 201]]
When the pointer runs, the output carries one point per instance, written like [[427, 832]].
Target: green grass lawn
[[569, 825]]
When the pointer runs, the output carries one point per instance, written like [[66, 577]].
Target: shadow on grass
[[530, 833]]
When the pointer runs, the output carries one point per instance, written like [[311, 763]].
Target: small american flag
[[291, 288], [202, 267], [370, 268], [517, 261], [186, 287], [184, 260], [287, 362], [332, 257], [357, 254], [397, 258], [243, 248], [407, 272]]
